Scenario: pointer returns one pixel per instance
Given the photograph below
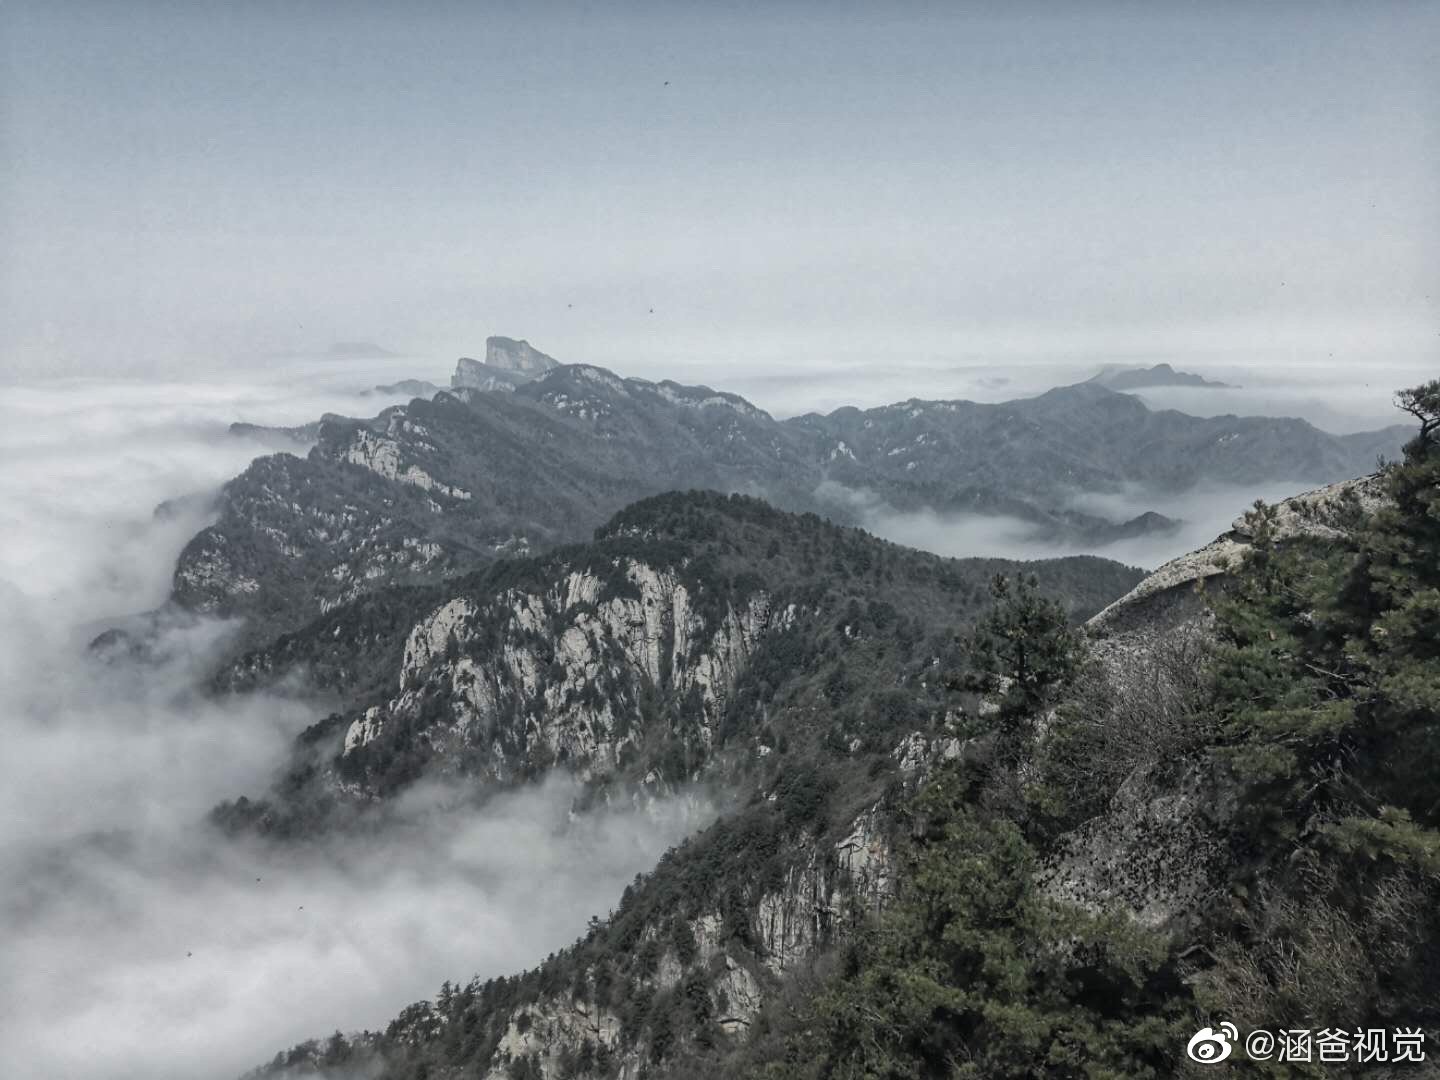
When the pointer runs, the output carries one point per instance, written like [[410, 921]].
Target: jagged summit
[[587, 388], [507, 364]]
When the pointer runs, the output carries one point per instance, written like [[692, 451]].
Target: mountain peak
[[507, 364], [520, 356]]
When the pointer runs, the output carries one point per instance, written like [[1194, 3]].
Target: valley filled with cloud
[[141, 942]]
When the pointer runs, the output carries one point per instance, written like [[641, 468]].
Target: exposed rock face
[[558, 676], [381, 454], [311, 543], [1161, 849], [1324, 513], [521, 357], [826, 888], [472, 374], [555, 1028], [1159, 853], [507, 364]]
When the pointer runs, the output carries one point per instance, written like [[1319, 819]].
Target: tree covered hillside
[[694, 630], [1321, 714], [898, 896]]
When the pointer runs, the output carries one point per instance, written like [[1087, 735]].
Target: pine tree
[[1021, 651]]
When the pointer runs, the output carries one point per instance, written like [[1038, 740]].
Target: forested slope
[[1259, 743]]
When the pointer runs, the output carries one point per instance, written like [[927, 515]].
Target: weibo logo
[[1209, 1046]]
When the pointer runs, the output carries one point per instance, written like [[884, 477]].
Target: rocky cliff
[[521, 357], [507, 364]]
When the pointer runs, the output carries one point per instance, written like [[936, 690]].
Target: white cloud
[[139, 943]]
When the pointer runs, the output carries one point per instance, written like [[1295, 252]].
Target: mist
[[139, 942], [1204, 512], [1336, 398]]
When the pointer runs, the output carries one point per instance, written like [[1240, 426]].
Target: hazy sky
[[784, 184]]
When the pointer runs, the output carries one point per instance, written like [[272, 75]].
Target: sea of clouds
[[138, 942], [1202, 512], [1340, 400], [141, 944]]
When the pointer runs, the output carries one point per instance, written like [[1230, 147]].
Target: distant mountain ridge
[[359, 350], [1120, 378], [414, 387], [437, 487]]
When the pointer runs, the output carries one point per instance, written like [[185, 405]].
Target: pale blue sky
[[817, 185]]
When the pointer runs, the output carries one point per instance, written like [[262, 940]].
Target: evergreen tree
[[977, 973], [1329, 693], [1021, 651]]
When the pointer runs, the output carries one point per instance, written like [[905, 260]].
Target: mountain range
[[493, 586], [795, 667], [448, 484], [623, 660], [788, 667]]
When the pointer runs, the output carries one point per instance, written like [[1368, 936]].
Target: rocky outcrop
[[475, 376], [1324, 513], [1159, 853], [554, 1029], [285, 538], [1160, 850], [383, 455], [521, 357], [828, 887], [561, 675], [507, 364]]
